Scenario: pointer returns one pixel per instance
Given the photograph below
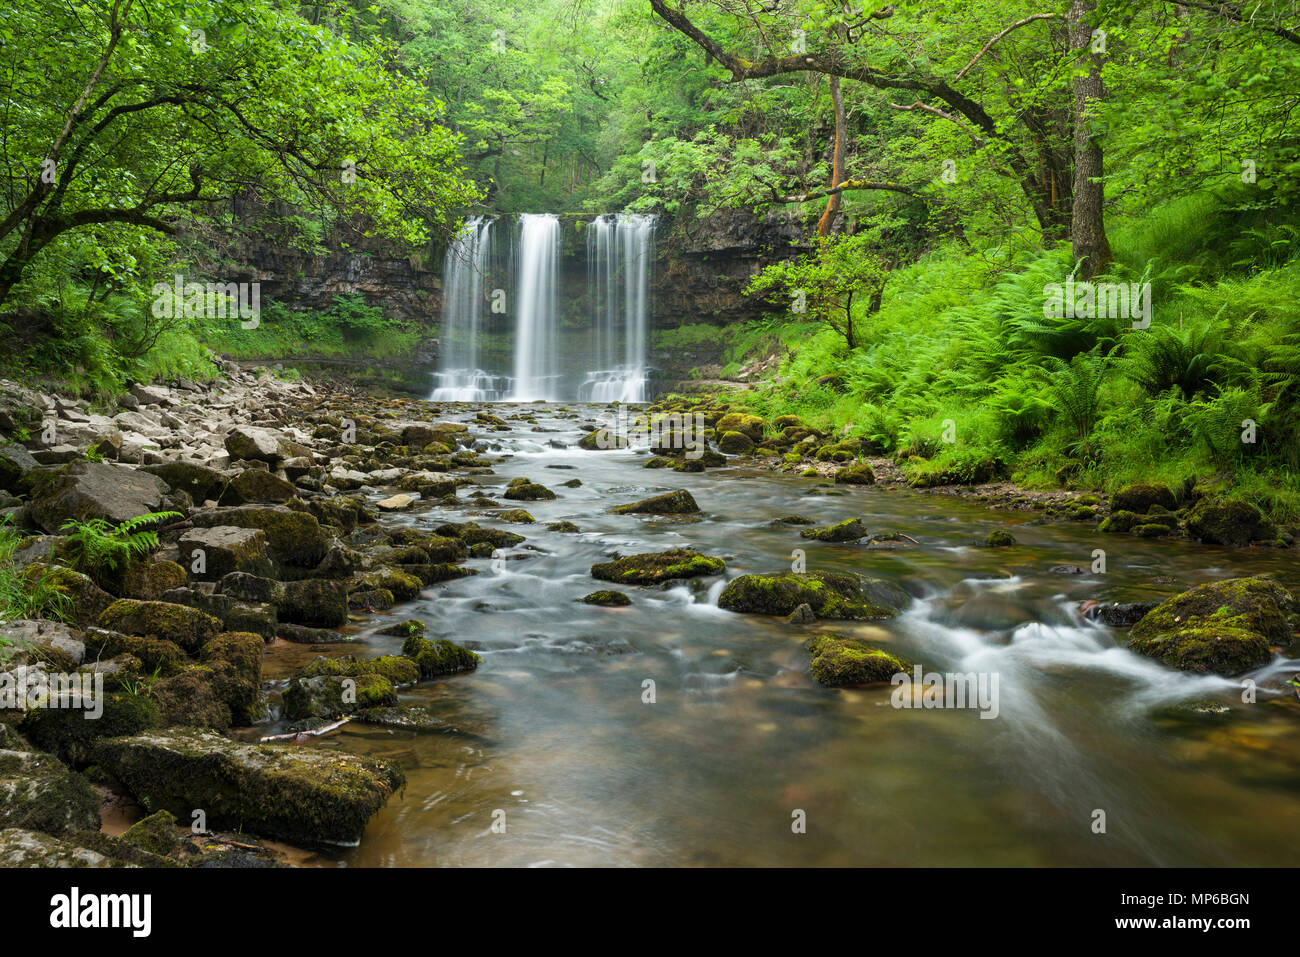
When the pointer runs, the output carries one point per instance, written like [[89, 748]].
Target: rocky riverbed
[[290, 517]]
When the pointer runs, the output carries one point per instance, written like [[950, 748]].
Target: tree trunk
[[827, 220], [1087, 222]]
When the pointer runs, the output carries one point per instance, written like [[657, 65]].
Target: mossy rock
[[187, 627], [600, 440], [87, 600], [199, 481], [69, 734], [303, 795], [999, 539], [827, 594], [472, 534], [735, 443], [37, 791], [404, 629], [680, 502], [404, 587], [567, 528], [516, 516], [439, 656], [189, 699], [527, 491], [1152, 530], [657, 462], [1121, 521], [398, 669], [1220, 627], [607, 598], [155, 834], [331, 696], [157, 656], [148, 580], [254, 486], [849, 530], [856, 475], [294, 537], [839, 660], [748, 425], [1140, 496], [236, 662], [653, 568], [316, 602], [1228, 522]]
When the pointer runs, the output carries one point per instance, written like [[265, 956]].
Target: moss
[[1228, 522], [236, 662], [472, 534], [316, 602], [849, 530], [517, 516], [69, 734], [1121, 521], [1141, 496], [856, 475], [302, 795], [186, 626], [566, 527], [527, 491], [189, 699], [155, 834], [294, 536], [607, 598], [1152, 530], [439, 656], [680, 502], [156, 655], [999, 539], [1218, 646], [653, 568], [398, 669], [843, 660], [330, 696], [1265, 607], [749, 425], [39, 793], [735, 443], [827, 594]]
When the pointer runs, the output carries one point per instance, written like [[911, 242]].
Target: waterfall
[[619, 252], [536, 371], [466, 267], [510, 326]]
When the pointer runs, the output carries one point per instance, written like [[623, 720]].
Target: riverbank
[[336, 567]]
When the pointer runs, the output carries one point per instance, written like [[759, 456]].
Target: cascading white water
[[543, 361], [468, 263], [619, 252], [536, 326]]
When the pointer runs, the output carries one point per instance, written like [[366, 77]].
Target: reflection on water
[[553, 729]]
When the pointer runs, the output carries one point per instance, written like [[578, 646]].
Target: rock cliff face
[[701, 268]]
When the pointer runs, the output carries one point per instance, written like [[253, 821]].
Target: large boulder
[[680, 502], [849, 530], [38, 792], [331, 696], [213, 552], [16, 463], [653, 568], [85, 490], [317, 602], [199, 481], [1222, 627], [845, 660], [749, 425], [827, 595], [303, 795], [187, 627], [1228, 522], [439, 657], [255, 444], [1141, 496], [294, 538], [255, 485]]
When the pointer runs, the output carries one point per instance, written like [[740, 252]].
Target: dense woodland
[[949, 163]]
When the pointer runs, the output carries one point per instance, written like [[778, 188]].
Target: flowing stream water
[[553, 731]]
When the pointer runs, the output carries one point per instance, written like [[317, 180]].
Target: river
[[552, 736]]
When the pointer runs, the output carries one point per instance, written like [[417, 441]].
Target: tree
[[159, 107], [824, 285]]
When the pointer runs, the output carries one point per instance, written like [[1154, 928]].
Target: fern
[[98, 547]]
